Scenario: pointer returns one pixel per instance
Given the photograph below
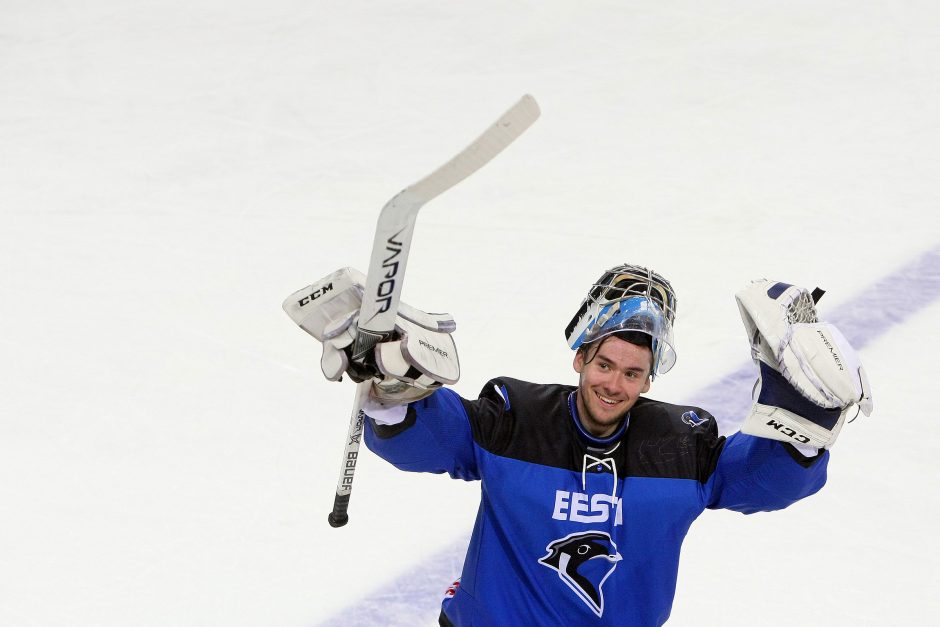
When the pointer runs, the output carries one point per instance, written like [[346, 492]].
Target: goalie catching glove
[[810, 376], [421, 358]]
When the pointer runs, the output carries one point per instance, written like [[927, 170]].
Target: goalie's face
[[613, 375]]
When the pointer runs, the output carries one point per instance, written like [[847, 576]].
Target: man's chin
[[603, 423], [609, 415], [597, 418]]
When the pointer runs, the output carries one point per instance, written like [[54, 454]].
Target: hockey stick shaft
[[390, 250], [338, 517]]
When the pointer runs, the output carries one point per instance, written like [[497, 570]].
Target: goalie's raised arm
[[420, 357], [810, 376]]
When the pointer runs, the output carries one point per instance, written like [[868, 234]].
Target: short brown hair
[[634, 337]]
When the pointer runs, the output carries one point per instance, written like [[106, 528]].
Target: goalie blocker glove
[[810, 376], [420, 359]]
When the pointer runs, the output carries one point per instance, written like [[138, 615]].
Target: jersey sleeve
[[435, 437], [444, 432], [755, 474]]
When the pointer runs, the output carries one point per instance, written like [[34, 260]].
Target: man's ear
[[578, 361], [646, 388]]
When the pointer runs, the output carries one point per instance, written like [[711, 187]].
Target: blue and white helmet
[[628, 298]]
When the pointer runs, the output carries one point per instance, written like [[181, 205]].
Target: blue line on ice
[[881, 306]]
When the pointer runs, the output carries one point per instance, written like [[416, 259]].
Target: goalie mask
[[628, 298]]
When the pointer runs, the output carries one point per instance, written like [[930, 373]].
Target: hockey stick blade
[[395, 225], [390, 249]]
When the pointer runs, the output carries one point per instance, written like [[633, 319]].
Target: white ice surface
[[170, 171]]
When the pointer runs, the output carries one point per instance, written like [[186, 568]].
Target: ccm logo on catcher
[[315, 294], [787, 431]]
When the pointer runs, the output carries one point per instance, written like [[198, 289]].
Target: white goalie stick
[[390, 250]]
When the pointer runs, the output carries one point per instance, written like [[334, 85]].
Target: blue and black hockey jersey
[[573, 530]]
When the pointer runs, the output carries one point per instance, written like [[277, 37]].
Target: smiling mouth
[[605, 401]]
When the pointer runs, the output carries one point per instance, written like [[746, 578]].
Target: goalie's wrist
[[384, 414], [804, 459], [806, 450]]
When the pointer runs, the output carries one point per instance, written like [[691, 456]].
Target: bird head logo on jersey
[[691, 418], [584, 561]]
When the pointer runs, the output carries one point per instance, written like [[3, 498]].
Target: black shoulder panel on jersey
[[667, 440], [521, 420], [532, 422]]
